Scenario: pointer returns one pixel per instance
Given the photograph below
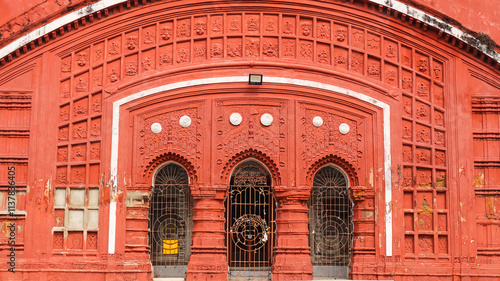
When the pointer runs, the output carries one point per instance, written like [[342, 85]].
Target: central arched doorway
[[250, 225]]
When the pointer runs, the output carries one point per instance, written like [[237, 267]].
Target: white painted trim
[[392, 4], [244, 79], [437, 23], [56, 24], [112, 227]]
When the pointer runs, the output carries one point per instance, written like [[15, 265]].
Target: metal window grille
[[170, 222], [330, 224], [250, 223]]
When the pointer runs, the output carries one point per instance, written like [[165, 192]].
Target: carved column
[[208, 252], [292, 260]]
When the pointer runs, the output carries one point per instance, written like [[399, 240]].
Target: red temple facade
[[135, 144]]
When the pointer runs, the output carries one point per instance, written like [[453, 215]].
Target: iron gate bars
[[250, 222], [330, 224], [170, 222]]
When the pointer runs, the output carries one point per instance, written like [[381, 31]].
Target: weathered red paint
[[56, 105]]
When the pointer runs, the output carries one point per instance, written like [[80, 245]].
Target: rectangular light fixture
[[255, 79]]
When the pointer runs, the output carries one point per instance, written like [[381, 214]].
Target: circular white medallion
[[185, 121], [317, 121], [266, 119], [235, 119], [344, 128], [156, 128]]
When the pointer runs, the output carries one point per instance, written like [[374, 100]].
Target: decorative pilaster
[[292, 260], [208, 252]]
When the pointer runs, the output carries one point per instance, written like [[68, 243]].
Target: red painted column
[[292, 260], [208, 252]]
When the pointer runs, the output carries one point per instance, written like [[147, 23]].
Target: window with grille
[[330, 224], [170, 222]]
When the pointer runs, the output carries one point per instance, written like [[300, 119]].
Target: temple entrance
[[170, 222], [250, 225], [330, 224]]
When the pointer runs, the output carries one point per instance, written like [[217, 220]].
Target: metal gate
[[170, 222], [250, 222], [330, 224]]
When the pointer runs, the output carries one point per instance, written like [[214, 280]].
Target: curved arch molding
[[239, 79]]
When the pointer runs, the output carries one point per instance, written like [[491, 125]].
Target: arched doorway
[[170, 221], [250, 222], [330, 224]]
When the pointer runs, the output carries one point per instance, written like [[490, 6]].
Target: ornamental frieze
[[333, 44], [172, 130]]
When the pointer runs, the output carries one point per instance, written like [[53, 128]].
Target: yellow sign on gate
[[170, 247]]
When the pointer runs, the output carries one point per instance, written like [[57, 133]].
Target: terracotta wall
[[362, 67]]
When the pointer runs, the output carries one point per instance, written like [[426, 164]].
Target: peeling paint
[[479, 180], [371, 177]]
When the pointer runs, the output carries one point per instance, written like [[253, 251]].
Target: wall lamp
[[255, 79]]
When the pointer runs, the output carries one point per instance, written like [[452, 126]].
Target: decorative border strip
[[56, 24], [396, 6], [243, 79], [438, 24]]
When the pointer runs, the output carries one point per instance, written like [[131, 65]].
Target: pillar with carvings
[[292, 260], [208, 252]]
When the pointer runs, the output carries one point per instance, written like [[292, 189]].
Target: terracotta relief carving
[[98, 53], [327, 139], [132, 42], [422, 64], [166, 33], [63, 134], [323, 57], [234, 50], [216, 50], [306, 29], [324, 30], [113, 76], [341, 35], [183, 29], [174, 138], [374, 69], [81, 85], [114, 48], [437, 72], [62, 154], [252, 25], [200, 28], [182, 55], [306, 50], [288, 28], [234, 25], [66, 66], [270, 49], [407, 83], [390, 52], [289, 48], [82, 59], [252, 47], [130, 68], [217, 26], [340, 60], [147, 63], [165, 59], [390, 75], [422, 90]]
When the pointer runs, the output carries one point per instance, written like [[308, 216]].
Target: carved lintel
[[360, 193]]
